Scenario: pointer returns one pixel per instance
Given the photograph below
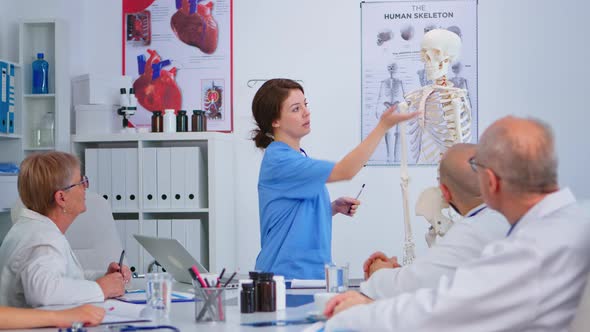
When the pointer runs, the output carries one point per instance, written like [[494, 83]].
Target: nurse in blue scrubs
[[294, 203]]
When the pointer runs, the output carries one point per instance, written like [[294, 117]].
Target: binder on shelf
[[149, 199], [177, 177], [163, 178], [196, 240], [196, 178], [118, 169], [189, 233], [132, 252], [11, 122], [164, 228], [148, 228], [104, 174], [11, 99], [131, 179], [91, 168], [4, 97]]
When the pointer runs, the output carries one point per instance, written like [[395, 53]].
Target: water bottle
[[40, 74]]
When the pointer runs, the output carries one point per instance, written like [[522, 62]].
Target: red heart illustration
[[156, 88], [194, 25]]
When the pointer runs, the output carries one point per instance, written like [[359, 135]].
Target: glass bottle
[[157, 125], [181, 121], [266, 292], [247, 304], [40, 75], [46, 130], [199, 121]]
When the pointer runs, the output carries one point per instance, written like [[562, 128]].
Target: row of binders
[[150, 178], [7, 98], [190, 233]]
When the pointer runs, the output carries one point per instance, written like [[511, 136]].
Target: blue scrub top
[[295, 214]]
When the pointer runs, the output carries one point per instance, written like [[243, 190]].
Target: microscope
[[128, 107]]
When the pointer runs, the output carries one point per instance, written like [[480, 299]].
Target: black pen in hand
[[357, 197], [121, 260]]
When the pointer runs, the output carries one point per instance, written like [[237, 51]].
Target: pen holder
[[210, 304]]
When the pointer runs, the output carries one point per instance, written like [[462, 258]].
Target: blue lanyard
[[474, 213]]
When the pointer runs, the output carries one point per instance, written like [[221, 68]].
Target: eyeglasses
[[85, 182], [474, 164]]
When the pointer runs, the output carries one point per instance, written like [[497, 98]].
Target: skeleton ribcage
[[446, 121]]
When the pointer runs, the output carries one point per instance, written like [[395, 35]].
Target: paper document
[[116, 311]]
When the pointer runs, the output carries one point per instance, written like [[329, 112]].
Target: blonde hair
[[41, 175]]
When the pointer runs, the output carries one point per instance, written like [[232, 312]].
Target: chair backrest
[[93, 236], [581, 322]]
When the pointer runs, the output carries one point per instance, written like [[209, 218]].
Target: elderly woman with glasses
[[37, 264]]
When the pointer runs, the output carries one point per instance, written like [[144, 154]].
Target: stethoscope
[[125, 328]]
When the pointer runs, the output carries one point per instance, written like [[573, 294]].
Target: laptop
[[172, 256]]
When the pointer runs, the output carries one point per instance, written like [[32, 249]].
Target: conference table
[[182, 315]]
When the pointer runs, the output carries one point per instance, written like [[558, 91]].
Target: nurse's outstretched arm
[[352, 163]]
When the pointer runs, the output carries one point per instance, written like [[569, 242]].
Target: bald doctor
[[531, 280]]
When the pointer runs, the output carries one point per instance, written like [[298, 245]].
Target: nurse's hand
[[345, 205], [344, 301]]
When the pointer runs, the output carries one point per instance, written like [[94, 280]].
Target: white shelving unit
[[11, 149], [217, 217], [46, 36]]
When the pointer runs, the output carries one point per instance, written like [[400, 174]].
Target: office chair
[[93, 236]]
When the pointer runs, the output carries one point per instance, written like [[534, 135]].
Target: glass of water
[[336, 278], [158, 291]]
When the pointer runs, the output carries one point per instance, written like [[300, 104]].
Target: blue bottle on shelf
[[40, 74]]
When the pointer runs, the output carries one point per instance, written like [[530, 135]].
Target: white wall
[[532, 63]]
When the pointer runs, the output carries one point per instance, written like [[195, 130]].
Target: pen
[[230, 279], [121, 260], [220, 276], [357, 197]]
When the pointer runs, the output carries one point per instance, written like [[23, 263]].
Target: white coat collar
[[33, 215], [549, 204]]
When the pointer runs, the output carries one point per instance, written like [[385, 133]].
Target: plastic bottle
[[169, 121], [281, 296], [157, 125], [181, 121], [266, 292], [247, 304], [40, 75]]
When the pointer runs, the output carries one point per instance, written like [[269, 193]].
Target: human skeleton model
[[390, 92], [444, 119], [430, 205]]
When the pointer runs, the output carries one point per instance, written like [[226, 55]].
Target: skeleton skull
[[439, 49]]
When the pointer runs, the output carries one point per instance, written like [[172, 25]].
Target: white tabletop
[[182, 316]]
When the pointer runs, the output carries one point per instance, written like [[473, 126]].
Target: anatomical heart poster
[[393, 69], [179, 56]]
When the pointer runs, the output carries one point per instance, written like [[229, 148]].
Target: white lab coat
[[530, 281], [463, 243], [39, 268]]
